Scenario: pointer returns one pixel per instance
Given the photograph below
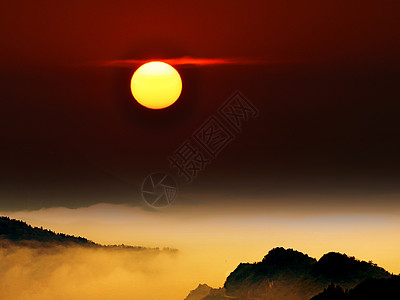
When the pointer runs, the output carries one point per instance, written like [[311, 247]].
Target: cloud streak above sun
[[187, 61]]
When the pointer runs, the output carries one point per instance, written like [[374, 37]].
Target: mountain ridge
[[15, 232], [292, 275]]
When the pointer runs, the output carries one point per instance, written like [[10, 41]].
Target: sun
[[156, 85]]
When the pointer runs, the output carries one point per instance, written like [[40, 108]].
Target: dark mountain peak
[[279, 262], [200, 292], [281, 258], [338, 267], [336, 257], [282, 268]]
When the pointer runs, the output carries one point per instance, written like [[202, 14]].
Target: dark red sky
[[329, 101]]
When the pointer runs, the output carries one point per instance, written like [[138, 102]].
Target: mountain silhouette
[[200, 292], [289, 274], [341, 269], [18, 233]]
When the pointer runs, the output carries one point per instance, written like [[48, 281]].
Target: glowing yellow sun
[[156, 85]]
